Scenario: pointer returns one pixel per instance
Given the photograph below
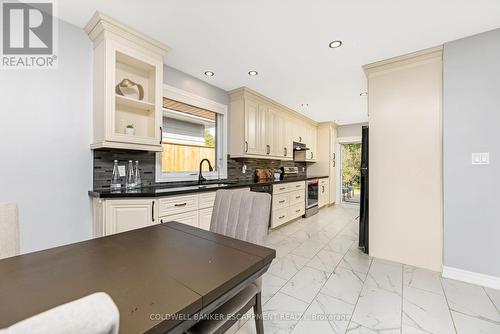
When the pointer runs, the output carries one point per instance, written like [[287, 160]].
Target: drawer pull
[[297, 210], [180, 205], [297, 186], [297, 197], [281, 217], [282, 201], [282, 188]]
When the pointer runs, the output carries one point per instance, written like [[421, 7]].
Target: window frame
[[221, 136]]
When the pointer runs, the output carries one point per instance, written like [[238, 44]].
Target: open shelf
[[130, 102]]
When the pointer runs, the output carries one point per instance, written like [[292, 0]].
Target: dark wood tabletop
[[167, 269]]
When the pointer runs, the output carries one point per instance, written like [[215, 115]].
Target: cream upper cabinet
[[311, 142], [127, 214], [128, 86], [299, 131], [325, 165], [288, 137], [256, 124], [263, 128]]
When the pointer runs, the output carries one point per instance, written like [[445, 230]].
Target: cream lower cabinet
[[205, 218], [121, 215], [324, 192], [288, 202]]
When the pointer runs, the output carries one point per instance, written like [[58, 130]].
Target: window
[[194, 128]]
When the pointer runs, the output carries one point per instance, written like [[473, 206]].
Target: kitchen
[[135, 145]]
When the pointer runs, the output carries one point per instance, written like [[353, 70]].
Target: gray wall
[[45, 133], [181, 80], [471, 120]]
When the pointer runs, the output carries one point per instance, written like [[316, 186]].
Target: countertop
[[167, 190]]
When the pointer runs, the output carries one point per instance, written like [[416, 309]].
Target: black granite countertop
[[177, 189], [311, 177]]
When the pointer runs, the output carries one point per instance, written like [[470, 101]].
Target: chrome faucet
[[200, 176]]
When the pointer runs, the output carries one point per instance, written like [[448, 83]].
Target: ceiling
[[286, 41]]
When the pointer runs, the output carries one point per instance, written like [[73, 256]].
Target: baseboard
[[472, 277]]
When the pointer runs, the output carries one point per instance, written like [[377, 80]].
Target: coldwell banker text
[[28, 35]]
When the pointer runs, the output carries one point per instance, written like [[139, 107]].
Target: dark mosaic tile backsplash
[[103, 166]]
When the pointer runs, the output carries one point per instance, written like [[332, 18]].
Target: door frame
[[341, 141]]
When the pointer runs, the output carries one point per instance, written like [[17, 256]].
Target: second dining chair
[[93, 314], [242, 215]]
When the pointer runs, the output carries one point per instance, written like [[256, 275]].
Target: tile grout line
[[305, 265], [359, 295], [491, 300], [447, 303], [330, 275]]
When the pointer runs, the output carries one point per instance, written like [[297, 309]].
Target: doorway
[[350, 172]]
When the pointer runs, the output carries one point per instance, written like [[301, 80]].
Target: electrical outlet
[[244, 169], [481, 158]]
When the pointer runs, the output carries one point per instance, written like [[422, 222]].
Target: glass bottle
[[129, 181], [115, 178], [137, 175]]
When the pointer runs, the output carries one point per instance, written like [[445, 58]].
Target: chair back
[[93, 314], [242, 215], [9, 230]]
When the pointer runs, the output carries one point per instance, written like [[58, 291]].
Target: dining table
[[163, 278]]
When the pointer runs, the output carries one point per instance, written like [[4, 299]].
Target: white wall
[[45, 131], [350, 130]]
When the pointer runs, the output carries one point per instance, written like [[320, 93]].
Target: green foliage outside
[[351, 164], [209, 139]]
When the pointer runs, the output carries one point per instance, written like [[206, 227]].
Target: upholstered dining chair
[[93, 314], [9, 230], [242, 215]]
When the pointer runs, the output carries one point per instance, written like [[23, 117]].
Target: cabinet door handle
[[180, 204], [323, 188], [161, 221], [285, 153], [282, 201], [297, 197], [297, 186], [333, 163], [268, 149], [282, 188], [297, 210], [246, 146], [281, 217], [153, 212], [300, 139], [161, 135]]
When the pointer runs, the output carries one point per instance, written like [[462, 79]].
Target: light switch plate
[[481, 158], [121, 171]]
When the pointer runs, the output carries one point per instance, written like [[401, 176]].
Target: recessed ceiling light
[[253, 73], [363, 94], [209, 73], [335, 44]]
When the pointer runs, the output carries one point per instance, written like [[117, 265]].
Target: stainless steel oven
[[312, 197]]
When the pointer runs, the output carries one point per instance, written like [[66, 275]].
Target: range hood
[[299, 151]]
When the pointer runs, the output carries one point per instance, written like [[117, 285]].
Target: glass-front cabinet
[[128, 84]]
